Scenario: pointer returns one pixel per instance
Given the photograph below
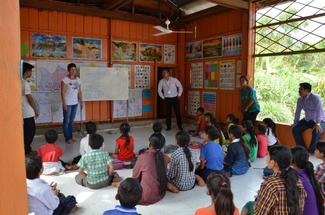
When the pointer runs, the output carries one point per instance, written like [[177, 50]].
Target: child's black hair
[[96, 141], [232, 118], [91, 128], [183, 140], [301, 160], [237, 132], [161, 139], [261, 128], [129, 193], [71, 65], [51, 136], [215, 123], [219, 187], [125, 129], [248, 125], [27, 67], [321, 146], [157, 127], [200, 110], [281, 154], [160, 163], [212, 133], [33, 166], [270, 124]]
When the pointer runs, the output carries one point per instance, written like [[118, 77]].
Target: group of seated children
[[156, 171]]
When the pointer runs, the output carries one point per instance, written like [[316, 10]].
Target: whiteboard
[[103, 83]]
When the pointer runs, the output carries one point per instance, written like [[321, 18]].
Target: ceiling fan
[[164, 31]]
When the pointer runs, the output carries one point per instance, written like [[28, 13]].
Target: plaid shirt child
[[95, 163], [179, 171], [272, 198]]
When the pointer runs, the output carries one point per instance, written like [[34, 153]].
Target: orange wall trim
[[12, 178]]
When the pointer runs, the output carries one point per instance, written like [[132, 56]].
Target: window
[[289, 49]]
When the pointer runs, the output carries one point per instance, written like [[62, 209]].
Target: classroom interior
[[116, 26]]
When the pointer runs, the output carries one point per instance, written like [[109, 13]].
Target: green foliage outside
[[277, 78]]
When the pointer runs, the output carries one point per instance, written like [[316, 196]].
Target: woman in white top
[[272, 138], [71, 96]]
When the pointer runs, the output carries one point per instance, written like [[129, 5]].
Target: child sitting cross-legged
[[181, 172], [237, 158], [211, 154], [250, 139], [222, 199], [320, 169], [129, 194], [262, 141], [45, 199], [96, 169], [124, 149], [50, 154]]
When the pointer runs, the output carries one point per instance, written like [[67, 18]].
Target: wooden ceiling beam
[[88, 11], [233, 4], [115, 4]]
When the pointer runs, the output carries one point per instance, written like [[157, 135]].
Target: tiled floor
[[94, 202]]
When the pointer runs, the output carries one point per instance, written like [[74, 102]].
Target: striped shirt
[[179, 170], [272, 198], [95, 163], [320, 176]]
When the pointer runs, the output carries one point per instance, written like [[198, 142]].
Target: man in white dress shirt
[[170, 89]]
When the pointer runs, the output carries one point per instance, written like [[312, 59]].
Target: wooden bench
[[307, 134]]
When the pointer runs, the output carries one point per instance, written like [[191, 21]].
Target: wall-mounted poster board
[[102, 84]]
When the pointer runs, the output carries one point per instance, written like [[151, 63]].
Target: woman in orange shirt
[[221, 196], [125, 144]]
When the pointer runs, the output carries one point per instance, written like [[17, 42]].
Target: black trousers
[[29, 133], [251, 116], [170, 104]]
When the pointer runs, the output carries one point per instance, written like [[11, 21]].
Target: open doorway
[[161, 109]]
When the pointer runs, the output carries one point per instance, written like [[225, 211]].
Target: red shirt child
[[125, 144], [262, 141], [200, 119], [50, 152]]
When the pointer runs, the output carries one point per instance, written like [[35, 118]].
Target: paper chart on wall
[[231, 45], [238, 74], [193, 102], [127, 67], [209, 101], [227, 75], [134, 105], [211, 74], [169, 54], [142, 76], [197, 75]]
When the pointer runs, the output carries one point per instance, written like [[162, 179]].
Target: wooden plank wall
[[70, 25], [226, 23]]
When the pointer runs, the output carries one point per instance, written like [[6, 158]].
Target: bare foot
[[116, 184], [199, 180], [172, 188], [74, 209]]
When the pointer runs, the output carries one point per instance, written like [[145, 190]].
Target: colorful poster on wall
[[238, 73], [212, 47], [45, 45], [126, 67], [193, 102], [146, 100], [150, 52], [232, 45], [227, 75], [169, 54], [209, 101], [194, 50], [142, 76], [86, 48], [133, 107], [124, 51], [197, 75], [211, 74]]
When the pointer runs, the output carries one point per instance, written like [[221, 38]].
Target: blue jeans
[[68, 118], [303, 125]]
